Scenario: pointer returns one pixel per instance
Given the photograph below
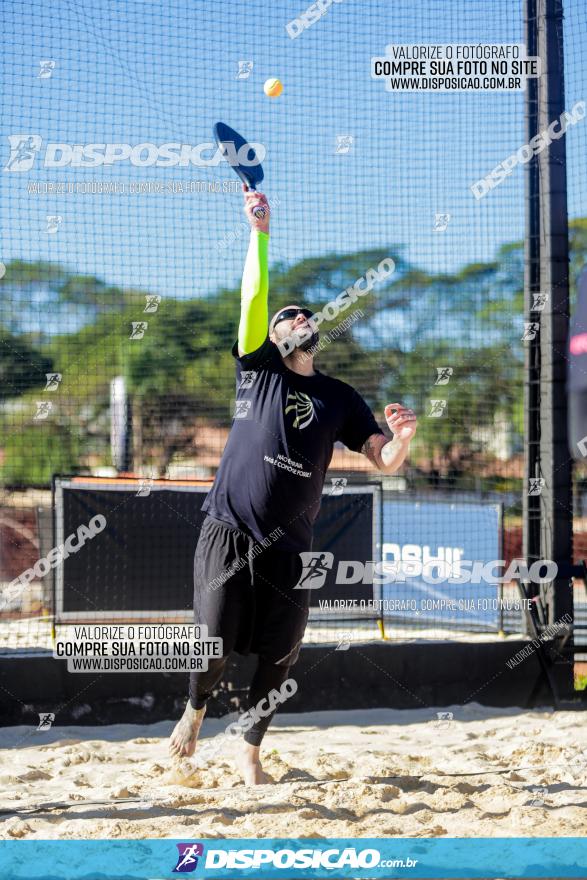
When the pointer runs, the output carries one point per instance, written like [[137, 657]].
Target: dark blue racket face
[[239, 154]]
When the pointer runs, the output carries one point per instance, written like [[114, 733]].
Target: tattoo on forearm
[[368, 448]]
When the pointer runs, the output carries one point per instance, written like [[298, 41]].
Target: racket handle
[[259, 213]]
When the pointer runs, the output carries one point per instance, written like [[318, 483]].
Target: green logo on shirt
[[302, 406]]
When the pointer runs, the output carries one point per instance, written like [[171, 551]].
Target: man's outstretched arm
[[254, 317]]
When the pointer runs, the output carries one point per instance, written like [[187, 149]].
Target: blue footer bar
[[297, 858]]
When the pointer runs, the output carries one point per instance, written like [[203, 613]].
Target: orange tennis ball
[[273, 87]]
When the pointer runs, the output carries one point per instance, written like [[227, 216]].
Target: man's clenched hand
[[401, 421], [253, 200]]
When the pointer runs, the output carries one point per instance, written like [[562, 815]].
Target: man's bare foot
[[250, 765], [182, 742]]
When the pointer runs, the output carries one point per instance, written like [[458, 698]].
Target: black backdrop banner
[[141, 564]]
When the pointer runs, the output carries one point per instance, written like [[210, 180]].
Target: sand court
[[483, 772]]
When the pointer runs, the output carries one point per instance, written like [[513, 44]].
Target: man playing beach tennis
[[267, 493]]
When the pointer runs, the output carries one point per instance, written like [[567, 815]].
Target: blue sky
[[135, 72]]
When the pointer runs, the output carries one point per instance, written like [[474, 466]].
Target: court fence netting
[[123, 241]]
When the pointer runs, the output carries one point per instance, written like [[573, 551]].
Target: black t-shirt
[[280, 445]]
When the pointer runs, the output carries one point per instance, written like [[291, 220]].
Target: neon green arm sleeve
[[252, 329]]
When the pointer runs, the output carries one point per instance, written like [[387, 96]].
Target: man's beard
[[307, 344], [303, 341]]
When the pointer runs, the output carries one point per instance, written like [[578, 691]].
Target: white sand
[[378, 773]]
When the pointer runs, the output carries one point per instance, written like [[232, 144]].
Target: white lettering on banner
[[349, 857]]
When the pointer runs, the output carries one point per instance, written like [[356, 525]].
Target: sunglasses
[[290, 314]]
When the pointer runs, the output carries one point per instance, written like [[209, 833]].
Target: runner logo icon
[[316, 567], [187, 860]]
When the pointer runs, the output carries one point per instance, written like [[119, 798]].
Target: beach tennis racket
[[241, 156]]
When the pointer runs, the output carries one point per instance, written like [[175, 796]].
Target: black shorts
[[247, 599]]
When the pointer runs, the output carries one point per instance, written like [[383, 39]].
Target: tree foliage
[[180, 371]]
